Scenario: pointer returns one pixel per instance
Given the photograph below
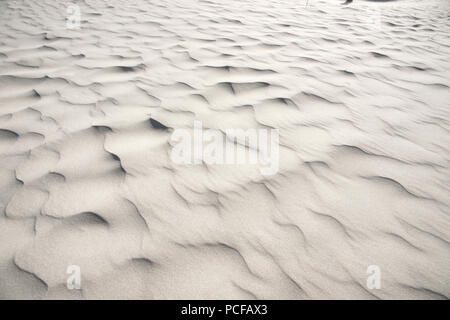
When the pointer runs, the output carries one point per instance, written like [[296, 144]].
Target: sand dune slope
[[360, 95]]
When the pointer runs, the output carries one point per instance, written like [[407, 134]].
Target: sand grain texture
[[86, 177]]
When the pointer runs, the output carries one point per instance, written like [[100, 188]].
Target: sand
[[360, 95]]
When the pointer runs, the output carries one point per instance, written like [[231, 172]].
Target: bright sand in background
[[86, 179]]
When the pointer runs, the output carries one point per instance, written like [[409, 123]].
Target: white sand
[[85, 179]]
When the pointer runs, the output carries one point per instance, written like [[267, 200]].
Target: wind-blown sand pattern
[[86, 178]]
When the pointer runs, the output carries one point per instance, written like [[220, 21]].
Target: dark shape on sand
[[348, 1], [157, 125]]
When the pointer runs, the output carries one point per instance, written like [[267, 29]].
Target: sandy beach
[[92, 93]]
